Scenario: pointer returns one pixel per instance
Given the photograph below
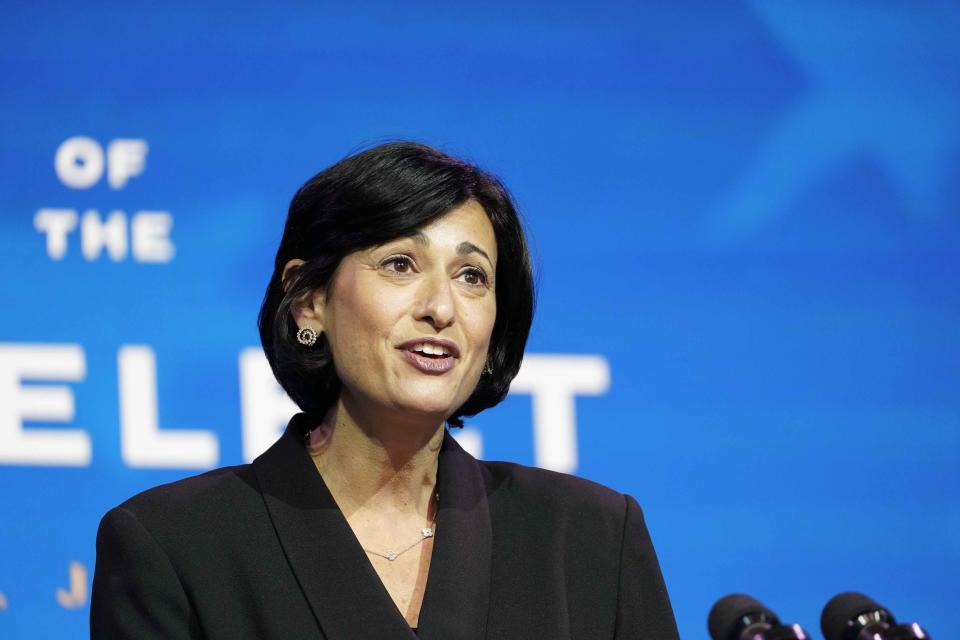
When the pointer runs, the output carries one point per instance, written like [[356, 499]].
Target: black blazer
[[262, 551]]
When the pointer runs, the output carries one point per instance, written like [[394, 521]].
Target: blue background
[[750, 209]]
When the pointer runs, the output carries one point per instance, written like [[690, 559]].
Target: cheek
[[490, 316], [481, 323], [361, 321]]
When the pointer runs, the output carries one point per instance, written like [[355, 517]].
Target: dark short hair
[[367, 199]]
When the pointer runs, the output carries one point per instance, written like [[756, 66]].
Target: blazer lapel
[[346, 595], [458, 585]]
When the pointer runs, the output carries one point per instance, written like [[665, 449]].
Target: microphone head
[[841, 618], [733, 613]]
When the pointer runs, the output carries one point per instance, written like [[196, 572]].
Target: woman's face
[[409, 321]]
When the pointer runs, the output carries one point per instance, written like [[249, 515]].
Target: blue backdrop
[[746, 221]]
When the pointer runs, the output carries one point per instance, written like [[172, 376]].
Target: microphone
[[740, 617], [854, 616]]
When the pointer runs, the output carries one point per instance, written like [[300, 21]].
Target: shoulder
[[195, 502], [199, 490], [552, 486], [556, 498]]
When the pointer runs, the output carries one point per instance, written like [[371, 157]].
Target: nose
[[436, 304]]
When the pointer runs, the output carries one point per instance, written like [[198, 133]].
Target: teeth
[[430, 349]]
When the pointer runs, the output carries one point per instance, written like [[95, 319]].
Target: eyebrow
[[468, 247], [462, 249]]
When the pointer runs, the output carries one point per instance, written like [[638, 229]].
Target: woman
[[401, 300]]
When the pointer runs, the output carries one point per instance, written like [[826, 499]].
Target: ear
[[307, 310]]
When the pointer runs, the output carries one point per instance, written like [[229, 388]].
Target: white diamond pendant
[[425, 532]]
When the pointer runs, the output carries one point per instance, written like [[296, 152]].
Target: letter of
[[41, 447], [151, 236], [79, 162], [553, 381], [264, 406], [126, 158], [57, 224], [95, 235], [142, 443]]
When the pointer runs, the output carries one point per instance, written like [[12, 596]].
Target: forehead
[[465, 228]]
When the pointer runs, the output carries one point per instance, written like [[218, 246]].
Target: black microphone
[[740, 617], [854, 616]]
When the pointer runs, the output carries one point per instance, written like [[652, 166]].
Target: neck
[[371, 463]]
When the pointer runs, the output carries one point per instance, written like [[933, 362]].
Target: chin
[[439, 406], [438, 411]]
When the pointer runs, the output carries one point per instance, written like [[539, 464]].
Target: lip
[[431, 366]]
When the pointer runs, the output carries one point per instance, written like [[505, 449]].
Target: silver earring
[[307, 336], [487, 369]]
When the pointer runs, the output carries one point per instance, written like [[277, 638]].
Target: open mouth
[[432, 351], [432, 357]]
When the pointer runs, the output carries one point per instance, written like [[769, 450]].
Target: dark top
[[262, 551]]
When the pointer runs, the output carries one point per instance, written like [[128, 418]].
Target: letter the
[[57, 224], [151, 236], [96, 234]]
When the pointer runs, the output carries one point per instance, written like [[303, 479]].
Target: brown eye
[[398, 264], [474, 277]]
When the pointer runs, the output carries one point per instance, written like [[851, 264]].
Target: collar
[[343, 590]]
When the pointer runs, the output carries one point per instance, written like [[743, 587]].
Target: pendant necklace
[[425, 532]]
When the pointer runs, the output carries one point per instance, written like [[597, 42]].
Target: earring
[[307, 336], [487, 369]]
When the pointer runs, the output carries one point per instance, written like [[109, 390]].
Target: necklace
[[425, 532]]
